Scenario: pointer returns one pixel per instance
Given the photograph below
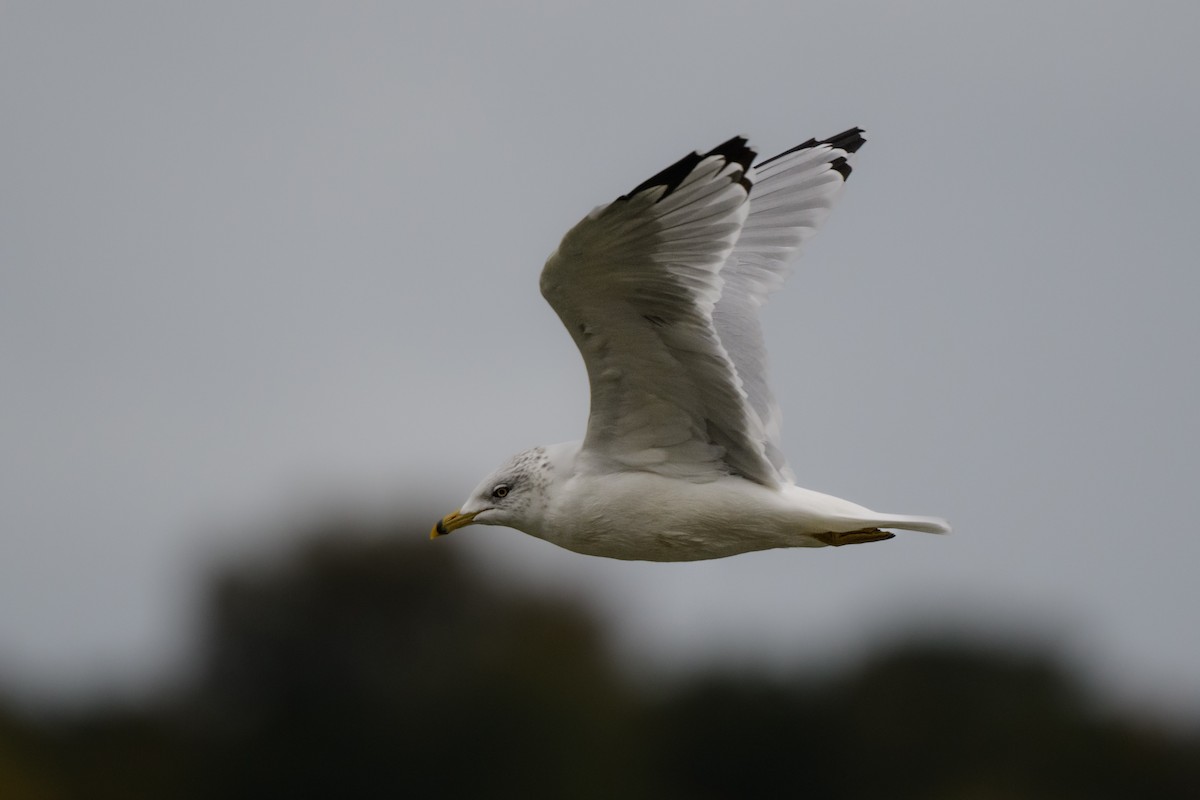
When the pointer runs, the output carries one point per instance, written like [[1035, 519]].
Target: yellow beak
[[451, 522]]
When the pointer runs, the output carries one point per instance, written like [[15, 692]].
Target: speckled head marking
[[513, 495]]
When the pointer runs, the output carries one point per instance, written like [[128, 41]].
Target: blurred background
[[269, 308]]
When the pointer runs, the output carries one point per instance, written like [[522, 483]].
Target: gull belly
[[643, 516]]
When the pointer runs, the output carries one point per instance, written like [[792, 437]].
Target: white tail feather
[[906, 522]]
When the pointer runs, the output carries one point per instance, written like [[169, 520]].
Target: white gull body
[[660, 290]]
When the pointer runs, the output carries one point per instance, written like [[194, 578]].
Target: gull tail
[[907, 522], [863, 529]]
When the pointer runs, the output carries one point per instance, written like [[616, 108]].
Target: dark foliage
[[368, 664]]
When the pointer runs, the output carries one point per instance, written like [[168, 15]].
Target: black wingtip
[[849, 140], [738, 151], [735, 150]]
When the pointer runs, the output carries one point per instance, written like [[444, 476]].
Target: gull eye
[[500, 491]]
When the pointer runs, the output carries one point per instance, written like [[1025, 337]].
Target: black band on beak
[[441, 529]]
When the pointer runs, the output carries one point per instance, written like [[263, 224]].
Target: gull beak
[[451, 522]]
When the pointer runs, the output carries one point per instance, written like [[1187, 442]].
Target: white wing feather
[[635, 283], [660, 290], [792, 194]]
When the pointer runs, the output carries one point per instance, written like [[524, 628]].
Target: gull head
[[514, 495]]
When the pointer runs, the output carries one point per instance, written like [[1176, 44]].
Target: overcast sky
[[258, 259]]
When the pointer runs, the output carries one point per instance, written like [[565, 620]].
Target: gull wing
[[792, 194], [635, 283]]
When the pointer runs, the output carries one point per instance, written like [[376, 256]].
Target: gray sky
[[261, 259]]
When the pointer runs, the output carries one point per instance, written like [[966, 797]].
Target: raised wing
[[791, 197], [635, 283]]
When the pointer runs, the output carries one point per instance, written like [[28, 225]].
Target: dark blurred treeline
[[370, 663]]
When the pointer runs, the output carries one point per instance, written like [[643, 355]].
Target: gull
[[660, 289]]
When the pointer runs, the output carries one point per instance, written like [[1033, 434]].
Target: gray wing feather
[[791, 196], [635, 283]]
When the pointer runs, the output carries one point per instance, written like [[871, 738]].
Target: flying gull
[[660, 290]]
